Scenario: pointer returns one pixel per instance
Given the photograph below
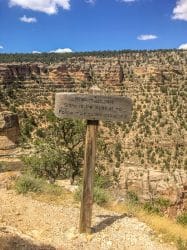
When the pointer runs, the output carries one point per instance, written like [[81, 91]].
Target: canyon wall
[[147, 155], [9, 130]]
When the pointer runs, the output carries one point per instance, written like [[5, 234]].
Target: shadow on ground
[[14, 242], [108, 220]]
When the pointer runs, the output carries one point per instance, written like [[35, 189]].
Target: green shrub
[[157, 205], [132, 197], [181, 244], [101, 181], [151, 208], [27, 184], [100, 195], [50, 116], [26, 130], [77, 194], [60, 155], [48, 163], [162, 203], [41, 133], [182, 219]]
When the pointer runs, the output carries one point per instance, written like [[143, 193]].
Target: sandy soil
[[26, 223]]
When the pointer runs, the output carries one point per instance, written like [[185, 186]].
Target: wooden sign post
[[88, 176], [92, 107], [88, 172]]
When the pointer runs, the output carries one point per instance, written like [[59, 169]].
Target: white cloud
[[90, 1], [147, 37], [26, 19], [1, 47], [183, 46], [180, 10], [47, 6], [36, 52], [65, 50]]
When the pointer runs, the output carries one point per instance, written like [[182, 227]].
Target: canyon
[[147, 155]]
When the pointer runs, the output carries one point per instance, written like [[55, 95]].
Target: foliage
[[41, 133], [157, 205], [55, 58], [182, 219], [28, 183], [69, 135], [100, 194], [68, 132], [28, 125], [48, 163], [151, 207], [132, 197], [59, 155], [150, 115], [102, 181], [181, 244]]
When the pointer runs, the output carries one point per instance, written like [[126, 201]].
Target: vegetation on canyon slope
[[156, 82], [58, 150], [154, 138], [58, 57]]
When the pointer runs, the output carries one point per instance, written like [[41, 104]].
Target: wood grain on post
[[88, 177], [88, 174]]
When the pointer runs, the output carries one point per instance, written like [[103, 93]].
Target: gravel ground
[[57, 226]]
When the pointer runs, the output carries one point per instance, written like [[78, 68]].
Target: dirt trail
[[56, 226]]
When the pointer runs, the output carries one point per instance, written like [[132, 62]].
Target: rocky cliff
[[9, 130], [149, 153]]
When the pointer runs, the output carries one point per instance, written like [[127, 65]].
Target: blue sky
[[87, 25]]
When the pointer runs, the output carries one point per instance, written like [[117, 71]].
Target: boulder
[[9, 130]]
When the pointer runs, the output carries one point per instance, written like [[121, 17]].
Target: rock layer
[[151, 154]]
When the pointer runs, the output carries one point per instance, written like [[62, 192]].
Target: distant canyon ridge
[[147, 155]]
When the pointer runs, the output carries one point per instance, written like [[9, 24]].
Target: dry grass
[[39, 189], [53, 194], [169, 230], [166, 228], [65, 198]]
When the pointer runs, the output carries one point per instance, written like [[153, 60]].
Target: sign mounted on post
[[93, 107]]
